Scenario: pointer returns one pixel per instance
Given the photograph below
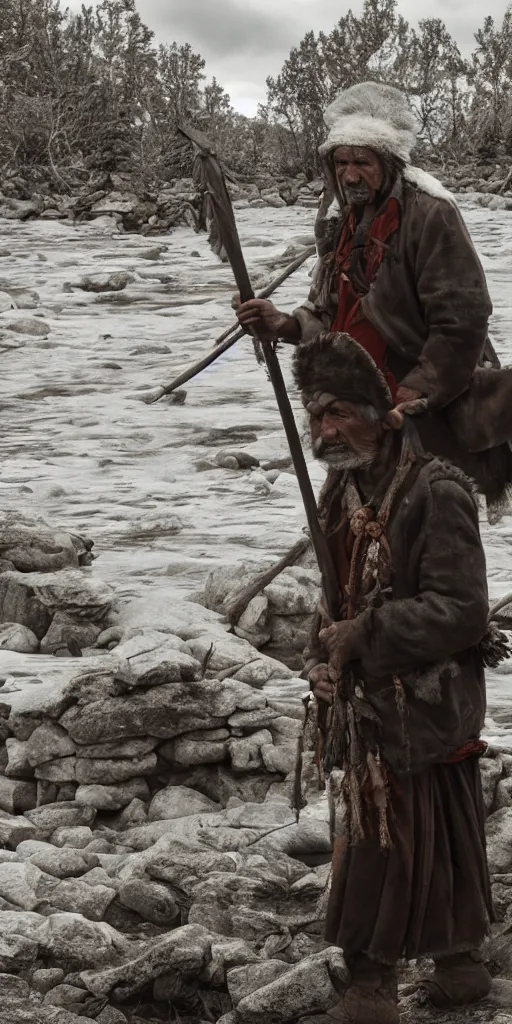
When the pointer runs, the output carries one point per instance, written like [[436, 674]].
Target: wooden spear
[[213, 177]]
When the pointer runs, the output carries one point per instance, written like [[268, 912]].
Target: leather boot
[[458, 980], [372, 996]]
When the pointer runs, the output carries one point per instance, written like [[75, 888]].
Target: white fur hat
[[374, 116]]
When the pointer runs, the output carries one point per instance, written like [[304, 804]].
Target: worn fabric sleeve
[[453, 292], [449, 613]]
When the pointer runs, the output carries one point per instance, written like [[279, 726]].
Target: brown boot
[[458, 980], [372, 996]]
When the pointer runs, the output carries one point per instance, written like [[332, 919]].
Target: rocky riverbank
[[151, 860], [151, 866]]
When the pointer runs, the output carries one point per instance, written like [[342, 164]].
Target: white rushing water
[[80, 448]]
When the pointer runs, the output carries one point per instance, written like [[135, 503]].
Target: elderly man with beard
[[402, 674], [398, 272]]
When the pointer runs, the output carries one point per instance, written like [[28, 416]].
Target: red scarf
[[350, 317]]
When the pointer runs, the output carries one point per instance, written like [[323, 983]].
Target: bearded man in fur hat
[[402, 674], [397, 271]]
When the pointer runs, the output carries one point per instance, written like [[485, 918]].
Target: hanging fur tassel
[[494, 647]]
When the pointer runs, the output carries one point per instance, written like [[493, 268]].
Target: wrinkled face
[[343, 434], [360, 174]]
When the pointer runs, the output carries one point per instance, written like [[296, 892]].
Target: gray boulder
[[179, 802], [112, 798], [306, 988], [163, 712], [14, 637], [185, 951], [32, 598]]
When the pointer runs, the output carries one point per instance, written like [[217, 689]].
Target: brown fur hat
[[337, 364]]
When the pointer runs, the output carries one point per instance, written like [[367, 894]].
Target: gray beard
[[359, 196], [341, 457]]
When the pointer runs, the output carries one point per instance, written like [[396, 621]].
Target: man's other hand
[[337, 639], [321, 684], [268, 321]]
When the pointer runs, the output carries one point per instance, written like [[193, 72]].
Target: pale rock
[[275, 200], [6, 302], [284, 728], [44, 979], [253, 621], [77, 943], [16, 797], [261, 670], [151, 900], [253, 720], [26, 924], [164, 712], [295, 591], [134, 814], [14, 829], [19, 883], [77, 837], [66, 628], [60, 863], [245, 753], [32, 546], [17, 953], [55, 816], [501, 993], [19, 209], [499, 841], [17, 763], [290, 632], [185, 951], [154, 665], [14, 637], [281, 758], [110, 1015], [77, 896], [243, 981], [63, 770], [504, 794], [120, 748], [23, 298], [99, 876], [179, 802], [110, 772], [32, 598], [206, 735], [29, 325], [227, 953], [112, 798], [491, 770], [65, 995], [187, 752], [48, 742], [113, 282], [306, 988], [186, 620]]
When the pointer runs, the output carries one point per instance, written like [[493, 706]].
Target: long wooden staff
[[222, 210]]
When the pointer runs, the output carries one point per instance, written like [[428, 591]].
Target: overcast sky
[[244, 41]]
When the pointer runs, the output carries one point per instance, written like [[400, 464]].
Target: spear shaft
[[220, 203]]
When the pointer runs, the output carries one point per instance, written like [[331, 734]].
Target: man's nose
[[352, 175], [328, 429]]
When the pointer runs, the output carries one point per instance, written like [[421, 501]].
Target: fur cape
[[377, 117], [337, 364]]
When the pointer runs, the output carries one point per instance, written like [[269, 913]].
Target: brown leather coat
[[428, 626], [430, 303]]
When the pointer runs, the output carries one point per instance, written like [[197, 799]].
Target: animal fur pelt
[[372, 115], [337, 364], [377, 117]]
